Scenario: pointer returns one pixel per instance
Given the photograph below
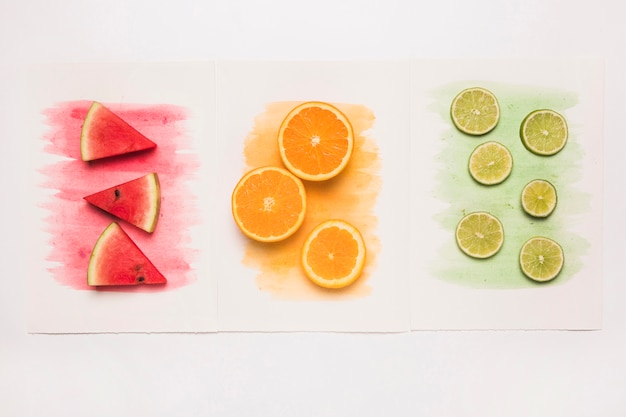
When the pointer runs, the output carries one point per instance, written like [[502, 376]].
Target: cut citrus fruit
[[269, 204], [480, 235], [490, 163], [475, 111], [333, 254], [539, 198], [315, 141], [544, 132], [541, 259]]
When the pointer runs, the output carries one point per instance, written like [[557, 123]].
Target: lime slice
[[490, 163], [480, 235], [544, 132], [539, 198], [541, 259], [475, 111]]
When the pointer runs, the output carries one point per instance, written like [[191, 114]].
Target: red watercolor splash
[[74, 225]]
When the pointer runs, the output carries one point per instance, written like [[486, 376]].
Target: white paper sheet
[[452, 291], [174, 104], [261, 287]]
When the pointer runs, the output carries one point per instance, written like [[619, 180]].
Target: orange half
[[315, 141], [333, 254], [269, 204]]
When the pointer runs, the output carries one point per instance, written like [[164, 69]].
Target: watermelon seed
[[140, 279], [117, 193]]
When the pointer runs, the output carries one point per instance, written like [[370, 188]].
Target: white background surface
[[477, 373]]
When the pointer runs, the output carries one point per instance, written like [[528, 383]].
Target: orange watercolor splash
[[350, 196]]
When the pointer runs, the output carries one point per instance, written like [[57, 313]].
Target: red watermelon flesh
[[106, 134], [137, 201], [117, 260]]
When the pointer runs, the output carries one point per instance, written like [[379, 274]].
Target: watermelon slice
[[117, 260], [137, 202], [105, 134]]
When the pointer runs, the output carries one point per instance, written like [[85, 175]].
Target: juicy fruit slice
[[544, 132], [105, 134], [475, 111], [269, 204], [480, 235], [315, 141], [117, 260], [333, 254], [541, 259], [490, 163], [137, 202], [539, 198]]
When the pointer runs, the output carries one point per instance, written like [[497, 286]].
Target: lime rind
[[544, 132], [475, 111], [490, 163], [539, 198], [541, 259], [480, 235]]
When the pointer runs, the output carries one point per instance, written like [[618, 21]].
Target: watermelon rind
[[137, 201], [117, 260], [105, 134]]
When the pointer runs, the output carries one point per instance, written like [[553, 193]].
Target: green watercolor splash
[[455, 187]]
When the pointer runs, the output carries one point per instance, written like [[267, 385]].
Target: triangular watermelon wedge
[[105, 134], [137, 202], [117, 260]]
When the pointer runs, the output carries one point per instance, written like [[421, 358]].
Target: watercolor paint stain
[[462, 195], [74, 226], [350, 196]]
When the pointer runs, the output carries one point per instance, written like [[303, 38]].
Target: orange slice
[[315, 141], [333, 254], [269, 204]]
